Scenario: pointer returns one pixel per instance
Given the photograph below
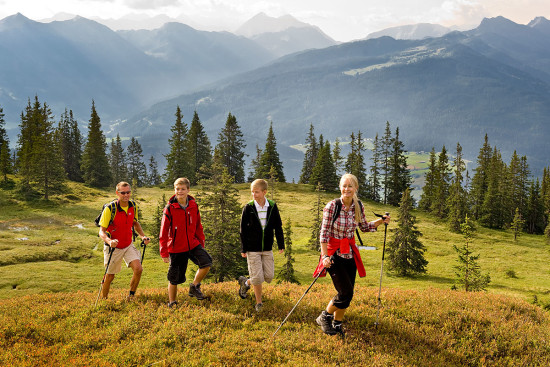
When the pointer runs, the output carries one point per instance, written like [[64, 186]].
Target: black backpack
[[113, 206]]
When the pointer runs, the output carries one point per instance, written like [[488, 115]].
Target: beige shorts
[[261, 267], [128, 254]]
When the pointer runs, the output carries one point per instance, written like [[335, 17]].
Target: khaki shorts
[[128, 254], [261, 267]]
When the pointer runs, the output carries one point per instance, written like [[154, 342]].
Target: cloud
[[151, 4]]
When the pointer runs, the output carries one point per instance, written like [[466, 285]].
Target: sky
[[343, 20]]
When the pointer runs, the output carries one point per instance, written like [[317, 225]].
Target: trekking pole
[[143, 255], [381, 269], [307, 290], [111, 250]]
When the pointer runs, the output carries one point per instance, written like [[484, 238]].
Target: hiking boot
[[172, 304], [195, 291], [325, 322], [243, 287], [338, 328], [258, 307]]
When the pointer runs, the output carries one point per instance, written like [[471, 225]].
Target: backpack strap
[[337, 210]]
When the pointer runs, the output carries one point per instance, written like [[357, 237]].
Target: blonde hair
[[121, 184], [355, 183], [260, 184], [182, 181]]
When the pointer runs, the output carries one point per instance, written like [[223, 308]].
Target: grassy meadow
[[51, 269]]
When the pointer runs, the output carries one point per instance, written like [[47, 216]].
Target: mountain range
[[494, 79]]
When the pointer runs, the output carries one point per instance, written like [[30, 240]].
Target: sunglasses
[[124, 192]]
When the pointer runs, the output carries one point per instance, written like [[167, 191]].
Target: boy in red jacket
[[182, 238]]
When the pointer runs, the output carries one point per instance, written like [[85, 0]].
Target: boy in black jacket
[[259, 221]]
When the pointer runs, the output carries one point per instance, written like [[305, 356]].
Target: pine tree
[[272, 182], [442, 185], [405, 251], [385, 151], [317, 212], [492, 209], [5, 158], [480, 181], [355, 163], [535, 209], [40, 159], [270, 158], [427, 198], [153, 176], [177, 161], [337, 157], [286, 274], [137, 171], [375, 171], [220, 214], [517, 225], [468, 271], [230, 149], [545, 194], [457, 200], [117, 161], [199, 149], [399, 175], [255, 165], [70, 140], [95, 165], [324, 172], [310, 157]]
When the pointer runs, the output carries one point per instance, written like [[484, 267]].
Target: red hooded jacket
[[181, 229]]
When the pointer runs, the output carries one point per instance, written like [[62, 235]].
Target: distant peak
[[538, 21], [15, 20]]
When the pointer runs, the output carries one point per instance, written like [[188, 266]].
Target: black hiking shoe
[[258, 307], [172, 304], [337, 326], [325, 322], [195, 291], [243, 290]]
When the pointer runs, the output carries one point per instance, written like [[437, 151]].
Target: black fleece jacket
[[253, 237]]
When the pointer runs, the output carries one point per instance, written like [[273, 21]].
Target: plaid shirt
[[344, 226]]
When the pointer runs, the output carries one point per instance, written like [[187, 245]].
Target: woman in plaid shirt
[[339, 254]]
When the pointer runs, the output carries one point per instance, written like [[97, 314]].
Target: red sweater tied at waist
[[345, 245]]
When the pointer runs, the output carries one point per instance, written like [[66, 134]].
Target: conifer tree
[[468, 271], [535, 209], [427, 198], [255, 165], [493, 209], [153, 175], [517, 225], [385, 151], [42, 159], [337, 157], [457, 200], [310, 157], [137, 170], [545, 193], [117, 161], [442, 185], [70, 141], [405, 251], [230, 149], [177, 161], [95, 165], [355, 163], [270, 158], [317, 212], [199, 149], [375, 170], [157, 220], [272, 182], [324, 172], [5, 158], [220, 215], [286, 274], [480, 181], [399, 175]]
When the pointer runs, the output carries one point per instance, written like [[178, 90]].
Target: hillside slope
[[417, 328]]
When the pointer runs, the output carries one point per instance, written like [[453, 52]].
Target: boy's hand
[[281, 250], [166, 259], [243, 254]]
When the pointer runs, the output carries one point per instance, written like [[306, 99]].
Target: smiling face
[[347, 189], [123, 194], [181, 192]]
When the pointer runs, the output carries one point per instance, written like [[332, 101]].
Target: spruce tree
[[5, 158], [480, 181], [270, 158], [177, 162], [199, 149], [468, 271], [95, 165], [220, 214], [535, 209], [375, 171], [427, 198], [405, 251], [137, 171], [324, 172], [153, 175], [517, 225], [385, 151], [442, 185], [286, 274], [157, 220], [337, 157], [117, 161], [355, 163], [457, 200], [399, 175], [70, 140], [315, 228], [493, 211], [255, 165], [310, 157], [230, 149]]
